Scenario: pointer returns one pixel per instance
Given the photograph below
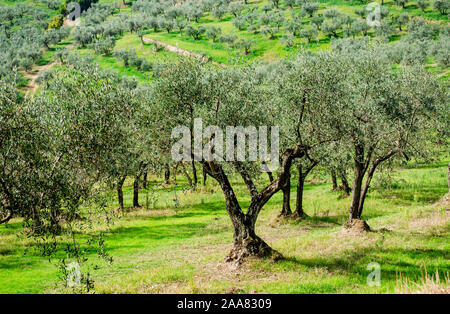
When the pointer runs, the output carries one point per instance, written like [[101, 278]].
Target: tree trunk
[[136, 192], [205, 175], [188, 177], [120, 192], [299, 213], [334, 180], [175, 175], [194, 174], [357, 197], [345, 186], [167, 175], [286, 210], [270, 174], [144, 181], [247, 243], [356, 192]]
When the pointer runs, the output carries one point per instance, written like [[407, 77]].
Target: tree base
[[283, 215], [252, 248], [298, 216], [356, 226]]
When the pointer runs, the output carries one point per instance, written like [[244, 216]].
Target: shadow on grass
[[188, 211]]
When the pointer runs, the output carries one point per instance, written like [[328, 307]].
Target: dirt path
[[182, 51], [32, 85]]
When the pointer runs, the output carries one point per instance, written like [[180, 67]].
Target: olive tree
[[383, 115], [225, 98], [94, 114], [442, 6], [27, 178]]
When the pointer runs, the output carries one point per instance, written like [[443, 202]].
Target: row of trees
[[170, 16]]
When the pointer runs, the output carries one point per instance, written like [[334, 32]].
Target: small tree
[[196, 33], [309, 33], [423, 4], [310, 8], [213, 32], [236, 8], [442, 6], [331, 27], [239, 22], [401, 3], [401, 20], [104, 46], [245, 44]]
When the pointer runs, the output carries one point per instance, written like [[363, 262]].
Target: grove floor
[[170, 246]]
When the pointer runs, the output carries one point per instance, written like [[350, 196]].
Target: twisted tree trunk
[[246, 242]]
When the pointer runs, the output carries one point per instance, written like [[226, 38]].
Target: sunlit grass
[[166, 248]]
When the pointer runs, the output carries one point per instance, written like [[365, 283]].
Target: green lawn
[[163, 248]]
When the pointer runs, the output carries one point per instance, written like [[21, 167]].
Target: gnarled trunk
[[358, 193], [245, 241]]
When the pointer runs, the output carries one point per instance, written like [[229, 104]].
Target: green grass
[[160, 248]]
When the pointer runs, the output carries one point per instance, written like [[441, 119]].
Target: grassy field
[[161, 248]]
